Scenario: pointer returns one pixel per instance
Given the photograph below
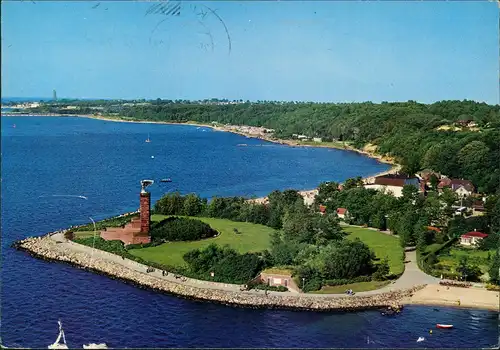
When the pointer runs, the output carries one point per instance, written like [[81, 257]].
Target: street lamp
[[93, 242], [303, 282]]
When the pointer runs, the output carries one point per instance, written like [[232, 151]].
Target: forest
[[413, 133]]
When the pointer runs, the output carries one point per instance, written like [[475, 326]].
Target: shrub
[[312, 285], [181, 229], [342, 281], [262, 286]]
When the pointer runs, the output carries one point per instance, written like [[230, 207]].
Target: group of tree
[[312, 244], [224, 264]]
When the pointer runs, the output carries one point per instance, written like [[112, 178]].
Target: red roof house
[[322, 209], [341, 212], [472, 238], [457, 185]]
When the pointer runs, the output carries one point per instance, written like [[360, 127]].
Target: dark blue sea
[[46, 160]]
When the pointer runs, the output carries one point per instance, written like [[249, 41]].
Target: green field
[[477, 257], [382, 245], [356, 287], [252, 238]]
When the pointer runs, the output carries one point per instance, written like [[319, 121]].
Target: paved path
[[411, 277]]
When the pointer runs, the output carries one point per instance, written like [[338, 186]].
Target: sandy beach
[[477, 298]]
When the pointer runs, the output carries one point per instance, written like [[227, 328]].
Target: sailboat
[[56, 344], [148, 140]]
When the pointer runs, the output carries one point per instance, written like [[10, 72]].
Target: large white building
[[393, 183]]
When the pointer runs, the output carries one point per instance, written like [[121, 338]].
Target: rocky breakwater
[[47, 248]]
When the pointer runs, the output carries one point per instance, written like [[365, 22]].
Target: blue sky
[[314, 51]]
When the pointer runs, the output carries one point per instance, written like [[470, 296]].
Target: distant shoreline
[[292, 143]]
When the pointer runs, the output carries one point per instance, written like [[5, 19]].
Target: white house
[[472, 238], [393, 183]]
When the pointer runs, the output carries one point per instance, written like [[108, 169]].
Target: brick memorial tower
[[145, 209], [137, 230]]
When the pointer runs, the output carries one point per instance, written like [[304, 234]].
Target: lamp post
[[303, 283], [93, 242]]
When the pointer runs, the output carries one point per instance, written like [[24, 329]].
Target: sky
[[326, 51]]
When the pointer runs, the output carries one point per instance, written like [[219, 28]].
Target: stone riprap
[[48, 248]]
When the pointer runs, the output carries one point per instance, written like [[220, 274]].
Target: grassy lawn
[[475, 256], [382, 244], [252, 238], [356, 287], [85, 234]]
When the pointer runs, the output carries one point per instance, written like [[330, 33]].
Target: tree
[[472, 156], [327, 229], [347, 259], [193, 205], [456, 227], [494, 270], [382, 270], [466, 270], [353, 183], [434, 182]]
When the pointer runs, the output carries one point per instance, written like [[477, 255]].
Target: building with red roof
[[341, 212], [472, 238]]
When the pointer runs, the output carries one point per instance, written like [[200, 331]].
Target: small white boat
[[444, 326], [148, 140], [57, 344], [95, 346], [420, 339]]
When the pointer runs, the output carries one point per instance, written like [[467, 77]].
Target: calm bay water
[[46, 159]]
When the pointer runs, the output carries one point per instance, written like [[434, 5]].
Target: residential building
[[317, 139], [394, 183], [322, 209], [342, 213], [472, 238], [463, 188]]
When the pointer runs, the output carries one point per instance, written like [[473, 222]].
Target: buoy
[[430, 331], [152, 157]]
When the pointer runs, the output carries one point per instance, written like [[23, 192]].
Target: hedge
[[342, 281], [261, 286], [181, 229]]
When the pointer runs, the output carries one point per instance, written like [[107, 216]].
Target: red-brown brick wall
[[145, 212]]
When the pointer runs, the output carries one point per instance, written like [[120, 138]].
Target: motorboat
[[166, 180], [444, 326]]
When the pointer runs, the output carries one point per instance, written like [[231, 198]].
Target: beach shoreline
[[457, 297]]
